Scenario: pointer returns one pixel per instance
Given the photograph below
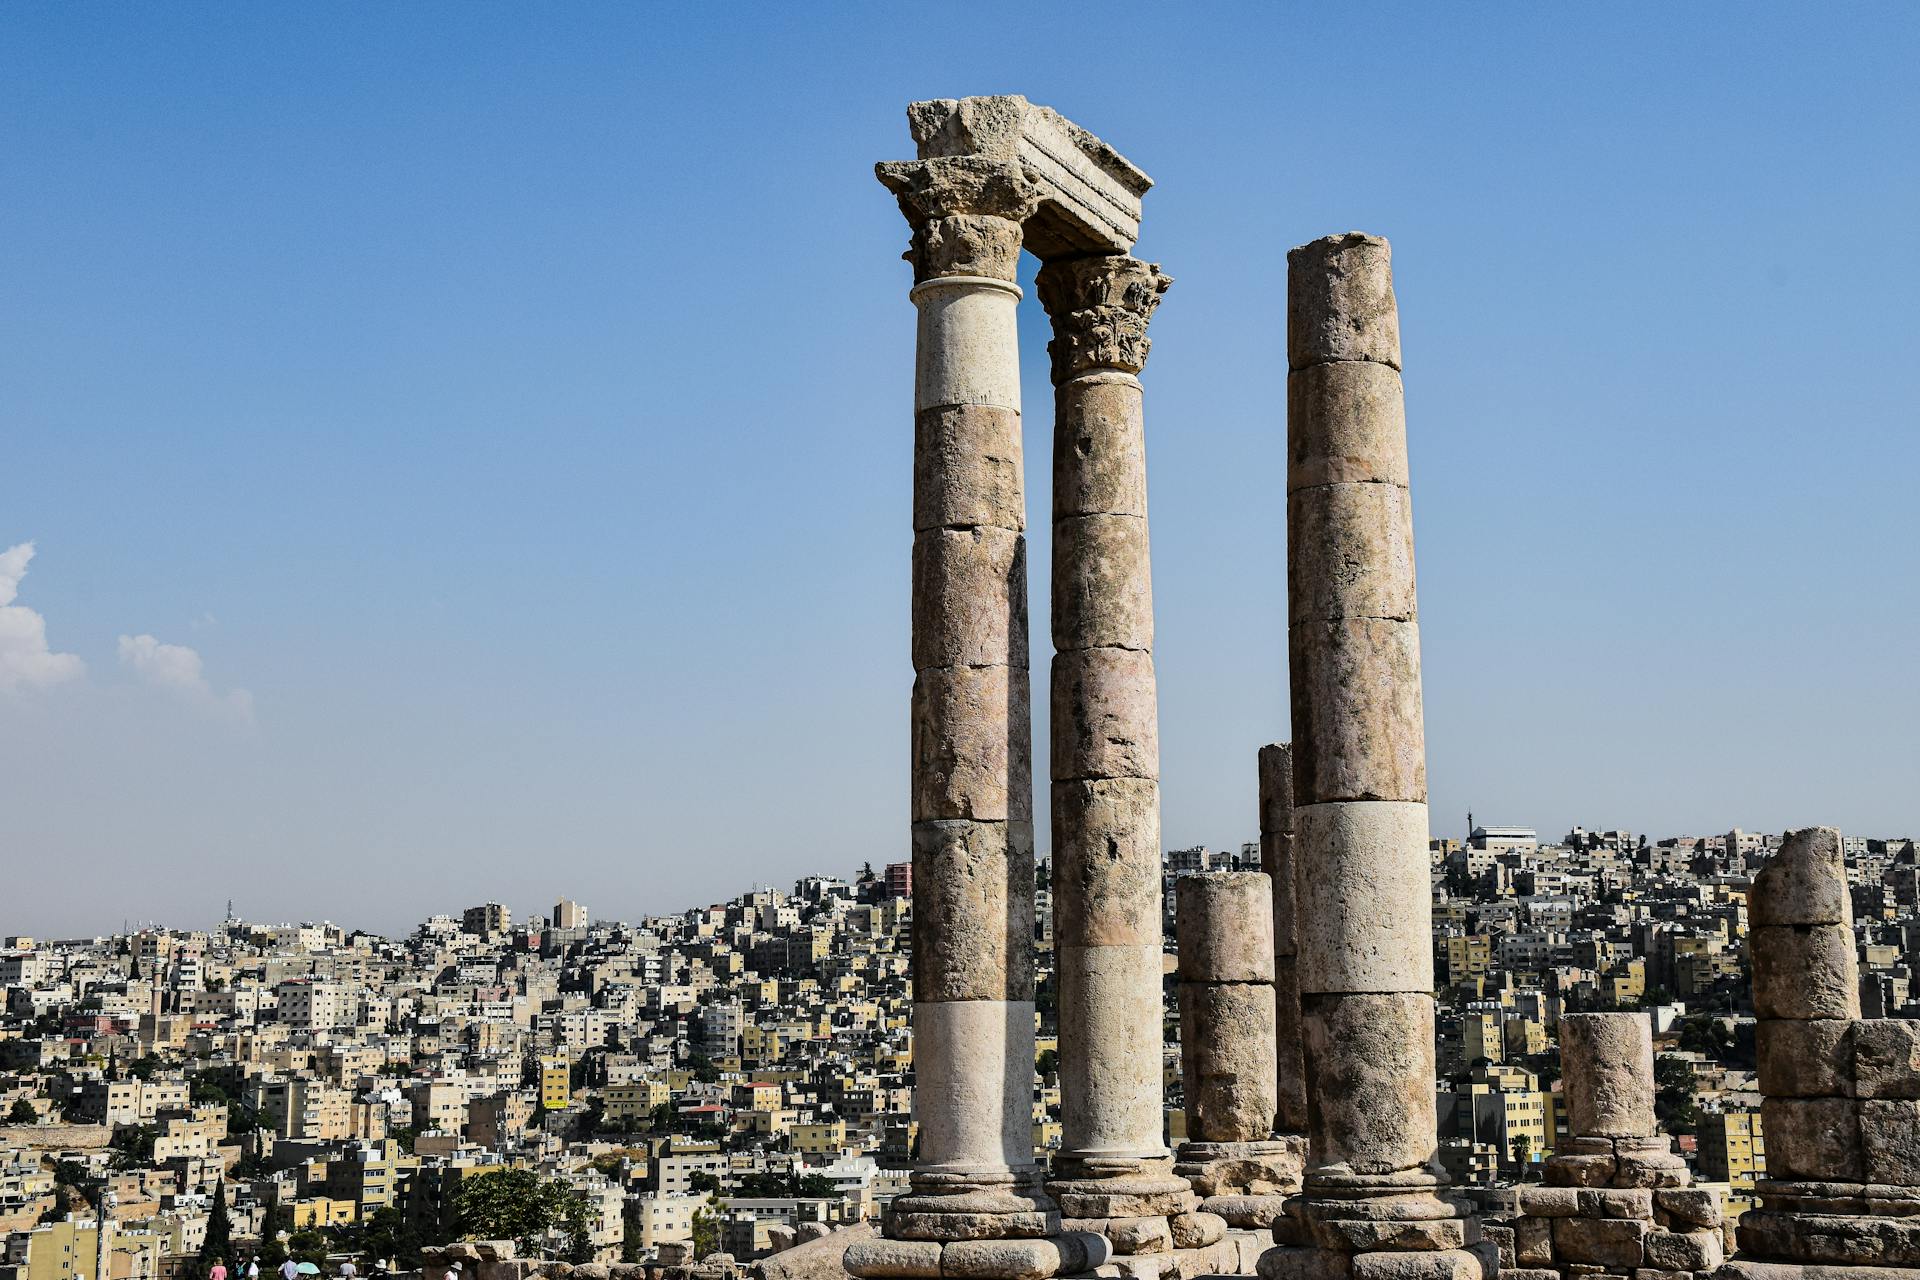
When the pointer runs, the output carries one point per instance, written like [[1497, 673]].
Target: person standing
[[218, 1271]]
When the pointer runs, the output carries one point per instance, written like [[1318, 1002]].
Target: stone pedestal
[[1372, 1203]]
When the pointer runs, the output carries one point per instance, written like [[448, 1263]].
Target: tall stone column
[[976, 1207], [1113, 1160], [1365, 959]]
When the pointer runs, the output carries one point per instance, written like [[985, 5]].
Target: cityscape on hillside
[[737, 1079]]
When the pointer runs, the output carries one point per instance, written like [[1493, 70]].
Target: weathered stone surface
[[1815, 1138], [1365, 901], [1608, 1064], [1745, 1269], [1605, 1242], [1340, 303], [969, 598], [1648, 1162], [972, 744], [1370, 1061], [1250, 1212], [1276, 791], [966, 212], [1804, 883], [1804, 971], [1290, 1063], [1111, 1096], [1105, 723], [1196, 1230], [968, 468], [1102, 583], [1685, 1250], [910, 1259], [1548, 1202], [976, 1056], [1260, 1168], [1830, 1239], [1811, 1059], [1099, 449], [971, 1226], [1139, 1235], [1100, 307], [1533, 1242], [1615, 1202], [1002, 1259], [1890, 1140], [1529, 1273], [1228, 1060], [968, 347], [1358, 732], [1106, 862], [1360, 1235], [1886, 1058], [1351, 551], [1294, 1263], [1443, 1264], [1579, 1170], [972, 934], [1224, 924], [1346, 424], [1693, 1206], [1165, 1198]]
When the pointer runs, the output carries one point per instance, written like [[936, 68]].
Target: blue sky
[[466, 447]]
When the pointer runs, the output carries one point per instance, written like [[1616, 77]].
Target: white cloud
[[178, 668], [25, 660]]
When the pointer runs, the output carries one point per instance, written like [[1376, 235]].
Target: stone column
[[976, 1207], [1360, 818], [1276, 859]]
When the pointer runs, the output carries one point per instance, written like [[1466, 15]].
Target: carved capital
[[1100, 308], [965, 211]]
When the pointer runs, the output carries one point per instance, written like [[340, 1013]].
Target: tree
[[219, 1227], [703, 1069], [706, 1234], [388, 1235], [308, 1245], [133, 1146], [513, 1204], [1047, 1063], [1673, 1093], [22, 1112], [816, 1186], [1522, 1149]]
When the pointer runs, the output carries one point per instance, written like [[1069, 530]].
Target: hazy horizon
[[462, 453]]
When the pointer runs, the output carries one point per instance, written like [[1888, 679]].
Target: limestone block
[[1105, 722], [1812, 1059], [1350, 553], [967, 468], [1442, 1264], [1227, 1060], [1533, 1242], [1127, 1198], [1648, 1162], [1340, 303], [1002, 1259], [1290, 1063], [1615, 1202], [1815, 1138], [973, 925], [1370, 1064], [1139, 1235], [908, 1259], [968, 344], [1346, 424], [1684, 1250], [1743, 1269], [1248, 1212], [1248, 1246], [1804, 972], [1886, 1058], [971, 1226], [1366, 904], [1890, 1140], [977, 1056], [1106, 862], [1293, 1263], [1607, 1061], [1110, 1080], [1358, 733], [1224, 925], [972, 744], [1529, 1273], [1276, 791], [1548, 1202], [1604, 1242], [1804, 883], [1099, 448], [1363, 1235], [969, 598], [1831, 1239], [1579, 1169], [1197, 1230], [1102, 583], [1690, 1206]]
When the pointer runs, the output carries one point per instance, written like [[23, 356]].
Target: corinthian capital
[[965, 211], [1100, 308]]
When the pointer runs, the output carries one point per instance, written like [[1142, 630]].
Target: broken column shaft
[[1276, 859]]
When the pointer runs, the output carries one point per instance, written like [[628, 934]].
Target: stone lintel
[[1089, 193]]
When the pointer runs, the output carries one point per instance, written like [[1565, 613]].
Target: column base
[[1830, 1239], [1615, 1162], [1067, 1253], [1284, 1262], [1269, 1168]]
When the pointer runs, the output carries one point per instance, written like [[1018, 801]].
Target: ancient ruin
[[1305, 990]]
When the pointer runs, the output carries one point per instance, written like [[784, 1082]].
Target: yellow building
[[1469, 956], [827, 1138], [636, 1101], [319, 1211], [556, 1083], [1626, 983], [1482, 1036], [64, 1250], [1733, 1149]]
